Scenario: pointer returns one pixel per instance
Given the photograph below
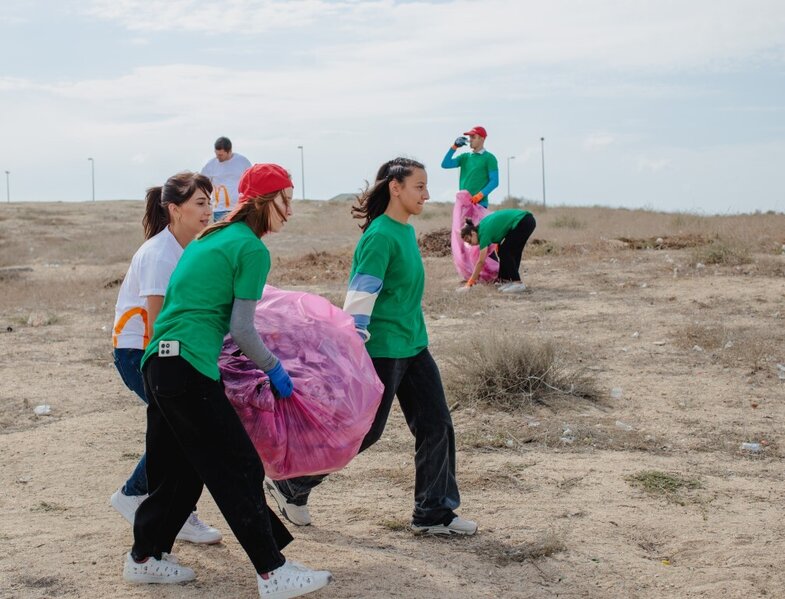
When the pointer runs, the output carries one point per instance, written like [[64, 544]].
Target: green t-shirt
[[388, 250], [495, 227], [230, 263], [474, 170]]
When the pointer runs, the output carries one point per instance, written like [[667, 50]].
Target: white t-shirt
[[151, 268], [225, 176]]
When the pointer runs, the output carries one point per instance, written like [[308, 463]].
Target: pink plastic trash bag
[[464, 256], [336, 391]]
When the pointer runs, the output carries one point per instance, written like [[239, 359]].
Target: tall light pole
[[542, 149], [302, 167], [508, 175], [92, 175], [8, 186]]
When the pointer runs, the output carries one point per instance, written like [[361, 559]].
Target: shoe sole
[[197, 541], [155, 580], [441, 531], [280, 501], [300, 592]]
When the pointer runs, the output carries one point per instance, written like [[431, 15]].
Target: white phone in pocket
[[168, 349]]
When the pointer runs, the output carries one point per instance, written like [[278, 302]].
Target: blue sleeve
[[360, 299], [493, 183], [449, 160]]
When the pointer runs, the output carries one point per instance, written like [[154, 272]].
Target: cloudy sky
[[672, 105]]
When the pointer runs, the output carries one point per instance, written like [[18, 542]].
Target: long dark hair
[[373, 201], [468, 228], [255, 212], [177, 190]]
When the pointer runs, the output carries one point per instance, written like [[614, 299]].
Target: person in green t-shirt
[[510, 229], [385, 299], [479, 168], [194, 436]]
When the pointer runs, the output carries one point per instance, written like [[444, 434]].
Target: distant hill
[[343, 197]]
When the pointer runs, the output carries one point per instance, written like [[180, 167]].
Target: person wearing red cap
[[479, 168], [194, 436]]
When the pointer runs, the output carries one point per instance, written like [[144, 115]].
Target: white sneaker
[[196, 531], [154, 571], [458, 526], [503, 286], [296, 514], [126, 504], [514, 288], [292, 580]]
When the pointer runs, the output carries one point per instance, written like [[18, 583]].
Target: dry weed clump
[[664, 484], [568, 221], [511, 372], [722, 252], [545, 546]]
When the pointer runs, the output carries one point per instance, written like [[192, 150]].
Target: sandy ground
[[689, 350]]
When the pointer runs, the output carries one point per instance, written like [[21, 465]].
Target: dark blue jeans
[[196, 439], [418, 385], [127, 362]]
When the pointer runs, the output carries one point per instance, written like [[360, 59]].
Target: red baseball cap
[[477, 130], [262, 179]]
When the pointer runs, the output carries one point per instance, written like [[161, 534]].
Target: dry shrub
[[547, 545], [722, 251], [510, 372], [664, 484], [567, 221]]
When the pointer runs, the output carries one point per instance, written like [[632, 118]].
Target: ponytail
[[373, 201], [156, 217]]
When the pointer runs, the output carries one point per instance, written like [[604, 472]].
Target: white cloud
[[598, 141], [650, 165], [604, 33]]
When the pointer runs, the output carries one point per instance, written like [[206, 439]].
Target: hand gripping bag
[[336, 391], [464, 256]]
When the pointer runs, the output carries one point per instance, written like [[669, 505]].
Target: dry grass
[[663, 484], [722, 251], [511, 372]]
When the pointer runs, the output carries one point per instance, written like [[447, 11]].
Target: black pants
[[511, 249], [195, 438], [418, 385]]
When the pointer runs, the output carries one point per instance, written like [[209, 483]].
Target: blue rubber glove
[[280, 381]]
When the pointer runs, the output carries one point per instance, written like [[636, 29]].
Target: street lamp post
[[302, 167], [8, 186], [92, 175], [542, 148], [508, 175]]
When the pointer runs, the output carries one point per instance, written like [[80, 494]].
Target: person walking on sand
[[510, 229], [479, 174], [174, 214], [194, 436], [385, 298], [224, 172]]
